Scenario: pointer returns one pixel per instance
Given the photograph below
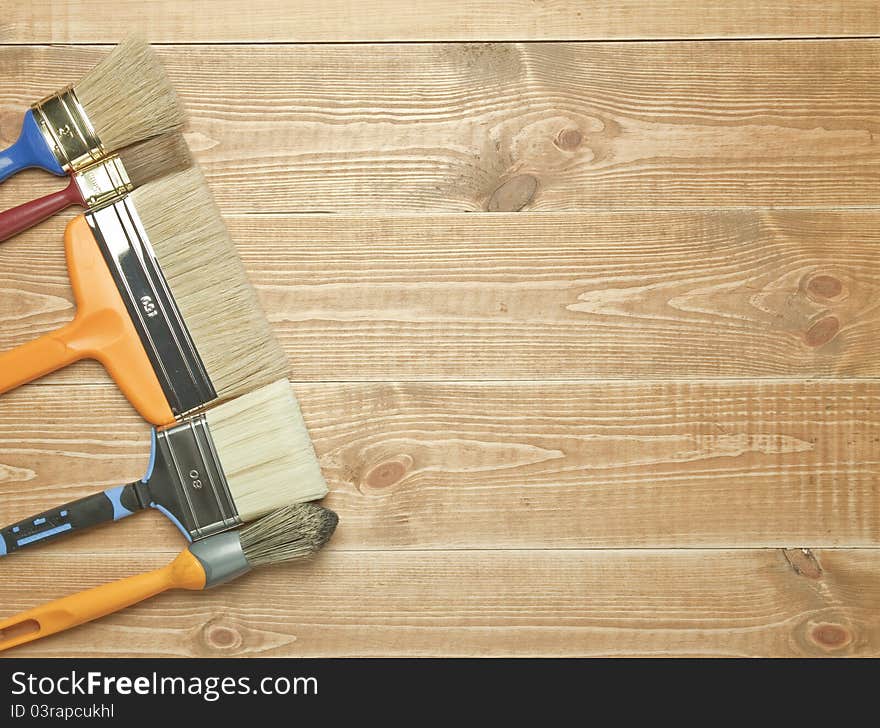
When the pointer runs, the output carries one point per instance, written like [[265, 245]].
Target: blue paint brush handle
[[112, 504], [30, 150]]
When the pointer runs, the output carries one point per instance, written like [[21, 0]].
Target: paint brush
[[125, 99], [232, 464], [291, 534], [163, 302], [105, 182]]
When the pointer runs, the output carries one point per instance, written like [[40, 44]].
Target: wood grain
[[500, 126], [739, 603], [641, 420], [167, 21], [549, 296], [505, 465]]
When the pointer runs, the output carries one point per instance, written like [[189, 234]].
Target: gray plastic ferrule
[[222, 558]]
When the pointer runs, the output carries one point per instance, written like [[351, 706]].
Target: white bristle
[[295, 532], [128, 97], [217, 301], [264, 448]]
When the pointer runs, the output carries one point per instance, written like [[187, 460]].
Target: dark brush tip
[[328, 527]]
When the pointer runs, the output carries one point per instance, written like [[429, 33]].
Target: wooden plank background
[[469, 127], [224, 21], [585, 332]]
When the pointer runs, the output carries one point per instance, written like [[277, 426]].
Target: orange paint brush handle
[[102, 330], [37, 358], [185, 572], [95, 327]]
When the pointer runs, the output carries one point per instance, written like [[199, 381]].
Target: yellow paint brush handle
[[185, 572]]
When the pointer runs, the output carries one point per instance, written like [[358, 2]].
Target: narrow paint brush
[[163, 302], [232, 464], [105, 182], [291, 534], [125, 99]]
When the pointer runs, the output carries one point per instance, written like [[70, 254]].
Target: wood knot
[[822, 331], [388, 473], [514, 195], [825, 286], [568, 139], [221, 638], [830, 636], [803, 562]]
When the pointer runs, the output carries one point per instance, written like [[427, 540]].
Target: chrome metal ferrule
[[67, 130], [158, 321], [187, 481], [103, 183], [222, 558]]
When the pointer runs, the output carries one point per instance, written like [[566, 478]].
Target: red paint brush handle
[[25, 216]]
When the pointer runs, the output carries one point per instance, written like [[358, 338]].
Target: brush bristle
[[156, 158], [128, 96], [265, 450], [295, 532], [209, 284]]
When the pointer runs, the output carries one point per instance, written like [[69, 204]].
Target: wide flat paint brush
[[230, 465], [105, 182], [125, 99], [163, 302], [291, 534]]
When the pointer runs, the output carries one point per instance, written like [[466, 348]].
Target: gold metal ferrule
[[68, 131], [103, 183]]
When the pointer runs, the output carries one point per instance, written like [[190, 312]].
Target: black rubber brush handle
[[112, 504]]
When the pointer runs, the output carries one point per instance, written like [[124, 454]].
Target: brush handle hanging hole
[[18, 630]]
